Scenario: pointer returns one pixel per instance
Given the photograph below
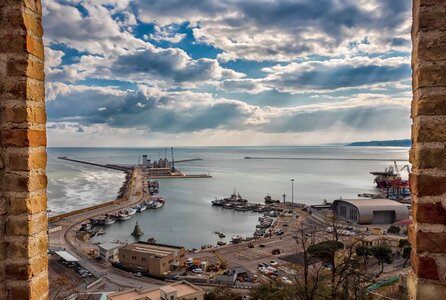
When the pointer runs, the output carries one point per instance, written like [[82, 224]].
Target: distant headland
[[390, 143]]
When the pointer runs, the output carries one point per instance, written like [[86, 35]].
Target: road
[[65, 239]]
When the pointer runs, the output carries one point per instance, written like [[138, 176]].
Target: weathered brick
[[23, 137], [26, 162], [428, 158], [27, 247], [429, 101], [30, 90], [33, 24], [29, 114], [35, 47], [426, 185], [428, 74], [26, 271], [28, 205], [26, 224], [424, 267], [428, 17], [28, 68], [433, 213], [34, 5], [433, 242], [35, 289], [25, 183], [429, 130], [430, 45]]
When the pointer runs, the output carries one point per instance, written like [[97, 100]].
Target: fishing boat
[[221, 243], [151, 240], [131, 211], [109, 221], [221, 235], [269, 200], [218, 202], [86, 226], [123, 217], [236, 239], [241, 208]]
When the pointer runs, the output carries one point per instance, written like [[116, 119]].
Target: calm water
[[188, 218]]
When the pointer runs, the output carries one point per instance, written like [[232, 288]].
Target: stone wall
[[23, 215], [428, 154]]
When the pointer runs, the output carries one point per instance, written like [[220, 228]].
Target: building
[[176, 291], [378, 240], [154, 259], [370, 211], [109, 251]]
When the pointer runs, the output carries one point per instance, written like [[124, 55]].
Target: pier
[[108, 166], [327, 158]]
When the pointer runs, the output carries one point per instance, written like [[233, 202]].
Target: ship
[[269, 200], [390, 177]]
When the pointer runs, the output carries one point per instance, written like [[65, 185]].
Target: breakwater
[[326, 158]]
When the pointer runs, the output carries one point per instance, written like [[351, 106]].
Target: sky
[[123, 73]]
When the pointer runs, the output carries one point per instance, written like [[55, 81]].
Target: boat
[[236, 239], [109, 221], [221, 243], [218, 202], [86, 226], [228, 206], [390, 177], [158, 204], [123, 217], [100, 232], [269, 200], [151, 240], [241, 208], [221, 235]]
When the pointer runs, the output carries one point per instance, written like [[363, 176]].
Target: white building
[[109, 251]]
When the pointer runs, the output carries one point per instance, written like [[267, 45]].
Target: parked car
[[197, 270], [273, 263]]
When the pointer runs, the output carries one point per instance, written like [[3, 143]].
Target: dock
[[326, 158], [108, 166]]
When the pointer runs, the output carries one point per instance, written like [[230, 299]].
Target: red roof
[[404, 222]]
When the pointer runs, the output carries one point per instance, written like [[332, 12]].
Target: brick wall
[[428, 154], [23, 217]]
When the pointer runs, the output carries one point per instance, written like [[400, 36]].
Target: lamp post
[[292, 197], [292, 192]]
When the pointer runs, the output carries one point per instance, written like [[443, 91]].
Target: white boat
[[109, 221], [142, 207], [131, 211], [123, 217], [158, 204]]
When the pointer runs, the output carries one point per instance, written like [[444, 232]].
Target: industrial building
[[109, 251], [176, 291], [370, 211], [153, 259]]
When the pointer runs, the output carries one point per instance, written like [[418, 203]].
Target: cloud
[[283, 30], [172, 65], [179, 112], [335, 74]]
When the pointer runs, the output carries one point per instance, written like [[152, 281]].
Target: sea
[[188, 218]]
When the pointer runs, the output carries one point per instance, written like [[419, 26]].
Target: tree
[[221, 293], [325, 250], [403, 243], [406, 248], [383, 254], [394, 229], [364, 252]]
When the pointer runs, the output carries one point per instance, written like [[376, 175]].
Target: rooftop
[[159, 250], [183, 289], [371, 203], [111, 245]]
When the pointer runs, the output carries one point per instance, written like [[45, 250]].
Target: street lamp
[[292, 192], [292, 198]]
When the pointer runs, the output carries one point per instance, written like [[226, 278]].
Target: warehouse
[[370, 211]]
